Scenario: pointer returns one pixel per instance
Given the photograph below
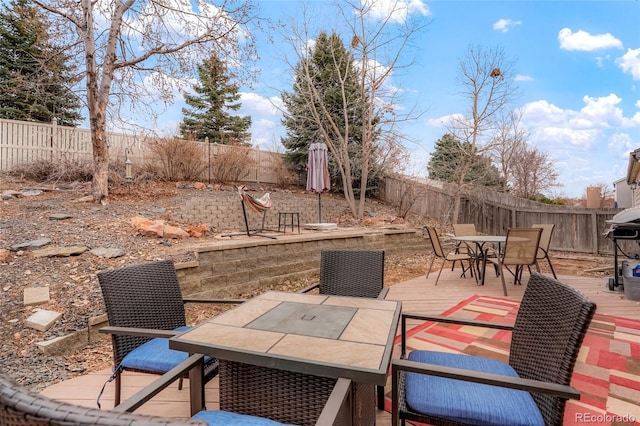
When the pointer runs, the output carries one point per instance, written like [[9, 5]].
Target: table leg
[[196, 388]]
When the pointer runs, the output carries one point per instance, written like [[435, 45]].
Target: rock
[[4, 255], [9, 194], [159, 210], [85, 199], [174, 232], [60, 216], [198, 231], [40, 242], [30, 192], [59, 251], [199, 185], [108, 252], [148, 227]]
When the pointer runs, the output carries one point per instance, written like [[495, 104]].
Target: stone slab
[[321, 226], [35, 296], [42, 320]]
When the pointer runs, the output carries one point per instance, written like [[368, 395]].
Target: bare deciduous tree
[[533, 173], [527, 172], [133, 51], [486, 80], [377, 42]]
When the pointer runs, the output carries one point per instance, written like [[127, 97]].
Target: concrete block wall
[[222, 209], [230, 268]]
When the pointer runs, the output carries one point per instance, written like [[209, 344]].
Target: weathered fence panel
[[24, 142], [579, 230]]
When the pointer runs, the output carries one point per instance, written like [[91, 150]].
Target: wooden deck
[[417, 295]]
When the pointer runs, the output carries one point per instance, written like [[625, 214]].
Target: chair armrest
[[337, 409], [221, 301], [449, 320], [383, 293], [144, 332], [562, 391], [308, 289], [153, 388]]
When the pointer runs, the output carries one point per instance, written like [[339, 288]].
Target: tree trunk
[[100, 163]]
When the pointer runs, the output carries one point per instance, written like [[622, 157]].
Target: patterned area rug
[[607, 372]]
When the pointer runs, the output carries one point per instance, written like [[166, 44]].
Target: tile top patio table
[[310, 334]]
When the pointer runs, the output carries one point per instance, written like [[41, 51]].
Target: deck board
[[417, 295]]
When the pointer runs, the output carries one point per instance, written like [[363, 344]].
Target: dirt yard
[[62, 217]]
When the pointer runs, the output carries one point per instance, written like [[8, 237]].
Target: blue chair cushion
[[225, 418], [470, 403], [155, 356]]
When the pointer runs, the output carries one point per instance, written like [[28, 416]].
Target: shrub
[[175, 159], [62, 169], [230, 164]]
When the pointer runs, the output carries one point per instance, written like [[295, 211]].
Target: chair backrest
[[143, 296], [20, 406], [549, 329], [521, 247], [464, 229], [435, 241], [358, 273], [545, 238]]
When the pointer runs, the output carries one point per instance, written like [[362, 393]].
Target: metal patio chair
[[520, 250], [452, 256], [545, 242], [531, 389], [145, 306]]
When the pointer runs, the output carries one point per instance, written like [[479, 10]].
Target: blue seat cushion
[[155, 356], [228, 418], [466, 402]]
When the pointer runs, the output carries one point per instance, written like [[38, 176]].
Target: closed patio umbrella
[[318, 172]]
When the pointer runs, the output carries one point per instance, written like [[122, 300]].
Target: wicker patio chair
[[452, 256], [145, 306], [520, 250], [355, 273], [20, 406], [545, 242], [449, 389]]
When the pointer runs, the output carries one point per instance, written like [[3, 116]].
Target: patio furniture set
[[320, 358]]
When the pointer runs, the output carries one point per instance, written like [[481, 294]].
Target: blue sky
[[577, 62]]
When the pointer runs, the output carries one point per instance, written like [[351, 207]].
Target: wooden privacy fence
[[22, 143], [578, 229]]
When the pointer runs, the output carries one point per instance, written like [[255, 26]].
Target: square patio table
[[281, 353]]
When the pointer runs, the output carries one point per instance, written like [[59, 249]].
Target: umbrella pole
[[319, 208]]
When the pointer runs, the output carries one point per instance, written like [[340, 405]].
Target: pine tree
[[447, 160], [35, 78], [209, 116], [329, 79]]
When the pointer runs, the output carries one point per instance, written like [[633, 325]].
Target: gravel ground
[[72, 282]]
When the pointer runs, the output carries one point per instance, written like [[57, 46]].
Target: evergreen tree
[[35, 78], [209, 116], [448, 157], [330, 80]]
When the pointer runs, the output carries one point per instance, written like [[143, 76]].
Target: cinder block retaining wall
[[222, 209], [230, 268]]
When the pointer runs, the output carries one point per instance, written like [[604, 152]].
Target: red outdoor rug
[[607, 372]]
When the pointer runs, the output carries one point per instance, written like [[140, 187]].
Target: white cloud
[[630, 63], [520, 77], [582, 40], [395, 10], [252, 102], [505, 25]]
